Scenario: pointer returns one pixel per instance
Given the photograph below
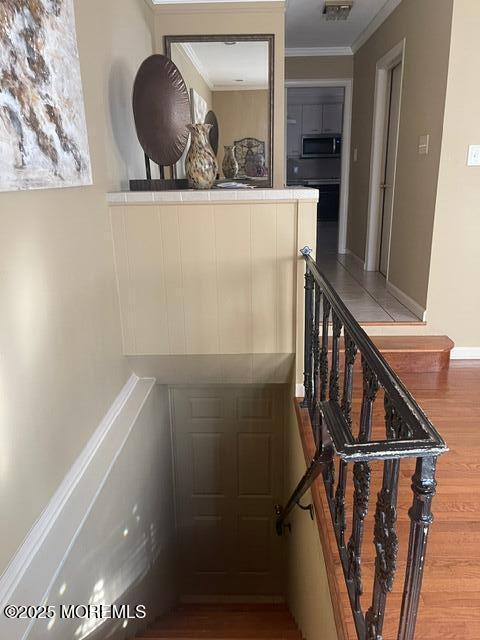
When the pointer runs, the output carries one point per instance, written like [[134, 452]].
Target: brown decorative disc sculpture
[[211, 118], [161, 109]]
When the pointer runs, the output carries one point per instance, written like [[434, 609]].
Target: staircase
[[225, 621]]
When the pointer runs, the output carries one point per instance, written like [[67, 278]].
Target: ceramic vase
[[201, 164], [230, 164]]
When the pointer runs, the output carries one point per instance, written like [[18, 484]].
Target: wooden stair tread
[[405, 354], [408, 344], [417, 344], [224, 622]]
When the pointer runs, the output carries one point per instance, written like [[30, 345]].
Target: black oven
[[321, 146]]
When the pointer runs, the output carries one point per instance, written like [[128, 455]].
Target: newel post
[[423, 486]]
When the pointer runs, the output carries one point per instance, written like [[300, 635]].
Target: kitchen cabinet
[[322, 118], [294, 130], [312, 118], [332, 117]]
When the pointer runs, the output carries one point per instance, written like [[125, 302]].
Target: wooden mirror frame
[[257, 37]]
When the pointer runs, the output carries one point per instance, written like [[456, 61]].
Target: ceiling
[[243, 65], [308, 28], [309, 33]]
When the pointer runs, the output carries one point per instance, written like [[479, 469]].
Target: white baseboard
[[358, 260], [408, 302], [37, 563], [465, 353]]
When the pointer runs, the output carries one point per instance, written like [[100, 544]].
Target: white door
[[228, 466], [391, 143], [332, 117], [312, 118]]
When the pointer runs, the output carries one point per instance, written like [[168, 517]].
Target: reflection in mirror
[[231, 77]]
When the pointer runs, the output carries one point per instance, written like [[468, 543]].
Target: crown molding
[[377, 22], [160, 2], [223, 6], [187, 49], [307, 52], [240, 87]]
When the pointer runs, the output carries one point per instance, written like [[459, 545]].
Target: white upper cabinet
[[332, 117], [312, 118]]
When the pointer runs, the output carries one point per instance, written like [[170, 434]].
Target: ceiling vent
[[337, 9]]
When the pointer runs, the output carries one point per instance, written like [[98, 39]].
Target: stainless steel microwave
[[321, 146]]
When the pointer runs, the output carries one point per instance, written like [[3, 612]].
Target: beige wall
[[61, 364], [210, 278], [318, 67], [453, 295], [241, 114], [308, 592], [236, 18], [193, 79], [426, 27]]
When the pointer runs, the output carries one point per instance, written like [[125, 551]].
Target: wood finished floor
[[450, 599]]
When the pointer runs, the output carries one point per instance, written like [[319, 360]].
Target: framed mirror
[[233, 77]]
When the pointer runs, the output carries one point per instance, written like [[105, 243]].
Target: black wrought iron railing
[[408, 434]]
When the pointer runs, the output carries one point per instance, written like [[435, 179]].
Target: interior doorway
[[228, 444], [389, 164], [318, 132], [386, 120]]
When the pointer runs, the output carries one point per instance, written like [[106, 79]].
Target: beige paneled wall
[[426, 27], [241, 114], [236, 18], [61, 362], [318, 67], [209, 278], [453, 304]]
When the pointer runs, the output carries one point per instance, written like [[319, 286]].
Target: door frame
[[374, 213], [347, 84]]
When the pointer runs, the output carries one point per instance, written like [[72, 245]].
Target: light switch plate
[[424, 145], [474, 155]]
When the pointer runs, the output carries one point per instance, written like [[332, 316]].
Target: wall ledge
[[292, 194]]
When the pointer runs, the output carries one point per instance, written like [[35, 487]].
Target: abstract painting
[[43, 133]]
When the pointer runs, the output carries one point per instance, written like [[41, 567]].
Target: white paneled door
[[228, 459]]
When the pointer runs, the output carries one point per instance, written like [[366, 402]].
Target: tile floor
[[364, 292]]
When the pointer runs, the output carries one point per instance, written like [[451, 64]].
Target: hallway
[[365, 293]]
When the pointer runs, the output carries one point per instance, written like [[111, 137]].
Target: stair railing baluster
[[424, 488], [361, 483], [350, 354], [326, 307], [315, 411], [386, 546], [307, 368]]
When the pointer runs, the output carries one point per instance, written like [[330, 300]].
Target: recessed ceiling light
[[239, 80], [337, 9]]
